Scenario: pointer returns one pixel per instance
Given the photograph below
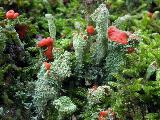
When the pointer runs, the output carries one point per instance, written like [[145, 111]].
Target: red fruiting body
[[48, 52], [11, 14], [48, 42], [90, 30], [116, 35], [111, 29], [130, 50], [15, 15], [149, 14], [47, 65], [103, 113]]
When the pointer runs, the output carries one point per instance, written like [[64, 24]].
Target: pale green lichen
[[79, 44], [45, 89], [123, 22], [61, 67], [95, 95], [51, 25], [100, 17], [49, 82], [65, 106]]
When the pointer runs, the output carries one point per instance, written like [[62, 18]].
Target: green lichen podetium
[[114, 61], [61, 67], [123, 22], [79, 45], [45, 90], [100, 17], [51, 25], [65, 106], [48, 85]]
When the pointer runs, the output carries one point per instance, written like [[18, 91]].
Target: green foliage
[[123, 22], [64, 44], [97, 99], [66, 16], [17, 66], [137, 86], [128, 83]]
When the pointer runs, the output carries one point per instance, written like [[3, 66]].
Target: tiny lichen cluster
[[64, 106], [96, 97], [98, 94]]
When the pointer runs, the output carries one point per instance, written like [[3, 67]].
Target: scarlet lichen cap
[[46, 42], [47, 65], [11, 14], [103, 113], [48, 53], [90, 30], [116, 35]]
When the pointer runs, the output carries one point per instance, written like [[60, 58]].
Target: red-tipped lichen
[[116, 35], [47, 65], [90, 30], [11, 14], [48, 42]]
